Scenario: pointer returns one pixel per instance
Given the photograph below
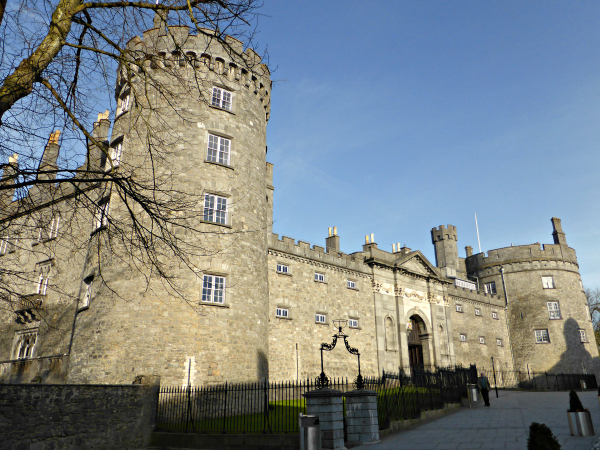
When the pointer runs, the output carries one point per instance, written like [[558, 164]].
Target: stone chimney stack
[[96, 157], [8, 178], [48, 163], [557, 233], [333, 241]]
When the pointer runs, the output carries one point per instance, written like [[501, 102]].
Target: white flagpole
[[477, 227]]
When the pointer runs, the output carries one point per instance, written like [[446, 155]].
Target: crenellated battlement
[[442, 233], [521, 253], [317, 253], [175, 48]]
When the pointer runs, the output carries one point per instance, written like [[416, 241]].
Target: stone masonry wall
[[40, 417]]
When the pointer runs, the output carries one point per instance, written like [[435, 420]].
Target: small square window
[[215, 209], [541, 336], [553, 310], [213, 289], [283, 312], [221, 98], [463, 338], [351, 284], [319, 277], [320, 318], [459, 308], [548, 282], [582, 336], [218, 149], [494, 315], [282, 268], [490, 288], [499, 342], [477, 312], [481, 340], [353, 323]]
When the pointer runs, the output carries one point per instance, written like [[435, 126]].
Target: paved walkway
[[505, 424]]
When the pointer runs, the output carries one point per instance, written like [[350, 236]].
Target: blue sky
[[393, 117]]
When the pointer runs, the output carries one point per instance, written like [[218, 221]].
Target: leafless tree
[[60, 61], [593, 298]]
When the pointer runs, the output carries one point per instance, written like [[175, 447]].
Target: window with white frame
[[282, 268], [553, 310], [582, 336], [4, 245], [115, 154], [351, 284], [101, 215], [481, 340], [490, 288], [541, 336], [218, 149], [499, 342], [459, 308], [215, 209], [43, 278], [283, 312], [463, 338], [319, 277], [213, 289], [87, 294], [123, 104], [24, 343], [353, 323], [320, 318], [494, 315], [53, 229], [221, 98], [477, 312], [548, 282]]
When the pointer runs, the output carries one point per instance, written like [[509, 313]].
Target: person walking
[[484, 386]]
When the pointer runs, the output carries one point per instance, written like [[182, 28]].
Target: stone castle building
[[252, 305]]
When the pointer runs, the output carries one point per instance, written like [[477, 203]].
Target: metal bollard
[[310, 433]]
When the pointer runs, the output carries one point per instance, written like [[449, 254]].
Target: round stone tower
[[548, 319], [191, 123]]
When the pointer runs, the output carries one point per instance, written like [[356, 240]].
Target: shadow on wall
[[262, 366], [576, 358]]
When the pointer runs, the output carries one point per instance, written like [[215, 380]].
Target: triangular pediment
[[416, 263]]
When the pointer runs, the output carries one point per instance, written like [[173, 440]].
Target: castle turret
[[446, 251]]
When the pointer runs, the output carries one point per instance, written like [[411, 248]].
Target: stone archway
[[418, 343]]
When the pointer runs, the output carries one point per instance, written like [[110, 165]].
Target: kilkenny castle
[[257, 305]]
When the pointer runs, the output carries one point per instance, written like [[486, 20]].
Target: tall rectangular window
[[101, 215], [582, 336], [54, 224], [541, 336], [4, 245], [218, 149], [87, 295], [215, 209], [213, 289], [115, 154], [43, 278], [547, 282], [553, 310], [490, 288], [221, 98], [124, 105]]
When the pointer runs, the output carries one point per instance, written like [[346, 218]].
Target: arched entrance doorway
[[416, 328]]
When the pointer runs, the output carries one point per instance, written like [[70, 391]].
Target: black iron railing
[[541, 381], [263, 407]]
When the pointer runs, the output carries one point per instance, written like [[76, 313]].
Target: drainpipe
[[504, 287]]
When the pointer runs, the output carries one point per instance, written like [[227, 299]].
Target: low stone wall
[[40, 417]]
